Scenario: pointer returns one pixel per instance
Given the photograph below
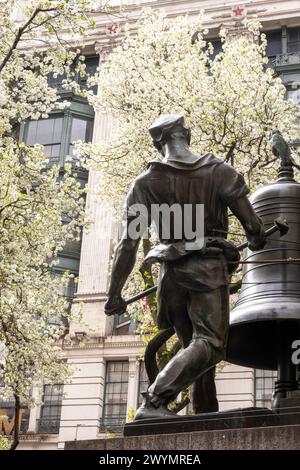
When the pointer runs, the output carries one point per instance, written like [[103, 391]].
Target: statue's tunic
[[208, 181]]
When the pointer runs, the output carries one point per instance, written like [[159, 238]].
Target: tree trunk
[[15, 442]]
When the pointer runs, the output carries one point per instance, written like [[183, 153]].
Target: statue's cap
[[163, 124]]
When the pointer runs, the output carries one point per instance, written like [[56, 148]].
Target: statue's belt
[[280, 225], [177, 250]]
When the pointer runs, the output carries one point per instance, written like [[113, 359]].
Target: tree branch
[[20, 32]]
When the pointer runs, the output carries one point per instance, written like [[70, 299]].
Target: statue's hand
[[212, 248], [115, 306], [256, 236], [257, 242]]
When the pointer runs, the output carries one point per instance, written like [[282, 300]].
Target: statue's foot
[[148, 410]]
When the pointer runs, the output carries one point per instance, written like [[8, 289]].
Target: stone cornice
[[272, 14], [101, 342], [89, 297], [50, 438], [128, 345]]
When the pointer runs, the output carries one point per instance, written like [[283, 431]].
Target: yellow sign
[[6, 425]]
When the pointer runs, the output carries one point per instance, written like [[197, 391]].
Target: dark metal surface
[[270, 292], [231, 419], [193, 288]]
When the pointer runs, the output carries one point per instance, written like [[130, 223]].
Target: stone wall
[[264, 438]]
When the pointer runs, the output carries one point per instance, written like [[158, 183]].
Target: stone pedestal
[[248, 429], [235, 419], [289, 404]]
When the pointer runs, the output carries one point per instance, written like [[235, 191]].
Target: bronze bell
[[266, 318]]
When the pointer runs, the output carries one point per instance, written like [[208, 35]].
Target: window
[[70, 289], [143, 382], [294, 40], [264, 386], [217, 45], [81, 129], [274, 43], [115, 396], [294, 95], [59, 132], [47, 132], [51, 409], [91, 65], [7, 417], [122, 324]]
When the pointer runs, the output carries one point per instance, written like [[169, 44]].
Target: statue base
[[232, 419], [288, 404], [241, 429]]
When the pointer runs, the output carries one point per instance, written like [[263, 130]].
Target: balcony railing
[[112, 424], [48, 425], [292, 58]]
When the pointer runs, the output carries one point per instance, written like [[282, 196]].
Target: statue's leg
[[209, 315], [182, 324], [203, 393]]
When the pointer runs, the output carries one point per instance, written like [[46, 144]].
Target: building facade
[[108, 375]]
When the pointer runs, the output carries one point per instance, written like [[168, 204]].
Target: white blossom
[[40, 206], [230, 102]]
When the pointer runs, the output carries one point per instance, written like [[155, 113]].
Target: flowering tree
[[41, 206], [231, 101]]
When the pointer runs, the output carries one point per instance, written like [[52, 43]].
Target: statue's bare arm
[[251, 223], [123, 264]]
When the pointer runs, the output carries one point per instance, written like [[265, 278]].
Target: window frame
[[8, 407], [50, 403], [80, 109], [114, 422], [263, 393], [292, 88], [291, 43]]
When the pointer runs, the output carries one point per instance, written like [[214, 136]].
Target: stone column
[[284, 40], [133, 379], [34, 413], [102, 385], [96, 249]]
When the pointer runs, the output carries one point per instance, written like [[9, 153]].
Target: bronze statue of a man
[[193, 292]]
